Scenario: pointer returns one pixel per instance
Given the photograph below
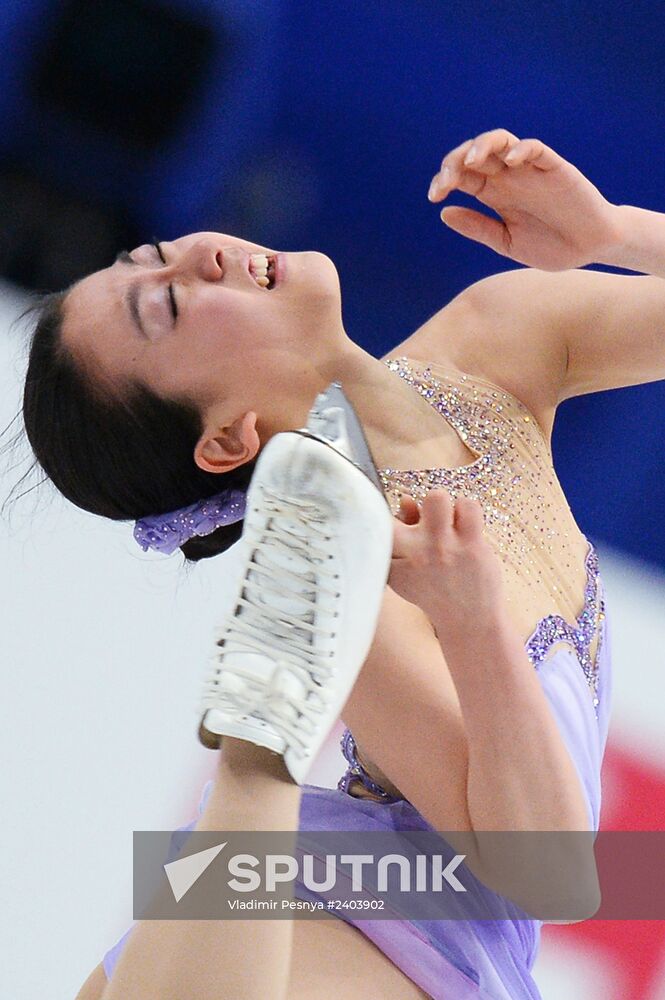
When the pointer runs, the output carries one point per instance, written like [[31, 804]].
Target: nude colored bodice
[[550, 569], [527, 516]]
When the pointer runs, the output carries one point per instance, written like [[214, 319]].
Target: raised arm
[[557, 335], [551, 330]]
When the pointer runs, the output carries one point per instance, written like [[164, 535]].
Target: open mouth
[[262, 269]]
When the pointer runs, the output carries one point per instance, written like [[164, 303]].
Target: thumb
[[406, 517], [409, 512], [402, 539], [476, 226]]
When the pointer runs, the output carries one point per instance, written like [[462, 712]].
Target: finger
[[469, 519], [437, 515], [494, 142], [488, 166], [450, 171], [408, 512], [476, 226], [484, 151], [516, 154], [404, 542], [535, 153]]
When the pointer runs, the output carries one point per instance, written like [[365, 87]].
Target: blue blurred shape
[[143, 108]]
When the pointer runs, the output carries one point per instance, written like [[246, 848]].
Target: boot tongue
[[292, 687], [268, 593], [255, 664], [268, 674], [292, 597]]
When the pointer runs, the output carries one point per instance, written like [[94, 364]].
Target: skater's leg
[[220, 959]]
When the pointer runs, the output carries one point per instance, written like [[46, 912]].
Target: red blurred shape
[[633, 799]]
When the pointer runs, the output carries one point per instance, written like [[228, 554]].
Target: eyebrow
[[132, 294]]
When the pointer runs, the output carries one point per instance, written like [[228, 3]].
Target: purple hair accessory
[[167, 532]]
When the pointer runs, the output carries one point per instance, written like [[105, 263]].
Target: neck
[[384, 403]]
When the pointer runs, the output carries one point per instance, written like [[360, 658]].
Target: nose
[[202, 260]]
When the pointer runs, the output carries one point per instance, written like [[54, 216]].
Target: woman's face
[[197, 325]]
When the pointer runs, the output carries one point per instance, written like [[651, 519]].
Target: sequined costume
[[550, 569]]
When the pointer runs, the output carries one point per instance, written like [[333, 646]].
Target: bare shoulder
[[498, 328], [94, 986]]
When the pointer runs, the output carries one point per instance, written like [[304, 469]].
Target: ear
[[223, 449]]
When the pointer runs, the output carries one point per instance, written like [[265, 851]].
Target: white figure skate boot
[[317, 542]]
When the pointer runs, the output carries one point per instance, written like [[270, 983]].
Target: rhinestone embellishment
[[514, 495]]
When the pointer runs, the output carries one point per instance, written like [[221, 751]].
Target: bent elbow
[[555, 887]]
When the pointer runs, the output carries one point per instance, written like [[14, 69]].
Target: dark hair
[[120, 452]]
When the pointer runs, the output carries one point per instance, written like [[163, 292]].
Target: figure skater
[[483, 702]]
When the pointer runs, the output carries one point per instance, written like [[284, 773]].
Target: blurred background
[[299, 126]]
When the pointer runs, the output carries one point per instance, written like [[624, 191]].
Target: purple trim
[[554, 628], [548, 631], [356, 772]]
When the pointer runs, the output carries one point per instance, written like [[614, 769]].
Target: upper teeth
[[258, 266]]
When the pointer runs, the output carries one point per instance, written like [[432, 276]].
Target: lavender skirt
[[483, 960]]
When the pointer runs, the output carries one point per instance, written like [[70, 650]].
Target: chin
[[328, 272], [315, 260], [317, 279]]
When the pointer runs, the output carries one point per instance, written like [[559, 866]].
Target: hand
[[443, 563], [552, 217]]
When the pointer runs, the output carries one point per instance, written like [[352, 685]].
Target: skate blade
[[333, 420]]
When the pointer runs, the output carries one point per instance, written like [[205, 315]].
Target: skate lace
[[287, 638]]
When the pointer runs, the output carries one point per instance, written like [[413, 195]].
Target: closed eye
[[174, 306]]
